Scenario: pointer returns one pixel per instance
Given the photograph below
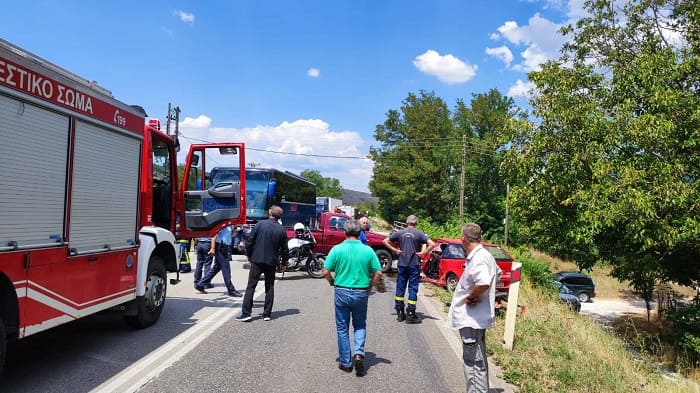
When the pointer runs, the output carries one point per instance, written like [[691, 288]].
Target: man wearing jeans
[[357, 270], [472, 308]]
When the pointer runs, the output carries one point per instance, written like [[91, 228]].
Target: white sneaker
[[266, 318]]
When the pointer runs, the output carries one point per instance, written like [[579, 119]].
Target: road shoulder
[[434, 308]]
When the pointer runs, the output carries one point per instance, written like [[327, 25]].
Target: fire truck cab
[[89, 201]]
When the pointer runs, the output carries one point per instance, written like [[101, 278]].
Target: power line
[[285, 152], [446, 144]]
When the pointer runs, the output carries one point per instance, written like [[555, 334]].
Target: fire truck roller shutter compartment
[[105, 189], [32, 187]]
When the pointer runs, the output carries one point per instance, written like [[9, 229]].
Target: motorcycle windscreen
[[213, 189]]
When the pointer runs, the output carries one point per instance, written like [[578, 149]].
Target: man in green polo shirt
[[357, 270]]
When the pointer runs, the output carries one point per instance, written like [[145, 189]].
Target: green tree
[[325, 186], [483, 124], [411, 164], [609, 170]]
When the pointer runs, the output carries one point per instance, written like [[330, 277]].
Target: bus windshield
[[256, 195], [268, 186]]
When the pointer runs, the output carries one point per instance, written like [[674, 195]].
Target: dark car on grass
[[568, 297], [580, 284]]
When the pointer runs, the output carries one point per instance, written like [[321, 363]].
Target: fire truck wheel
[[3, 345], [150, 305]]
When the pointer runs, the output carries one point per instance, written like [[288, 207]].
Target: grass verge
[[556, 350]]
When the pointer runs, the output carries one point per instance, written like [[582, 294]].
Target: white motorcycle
[[301, 252]]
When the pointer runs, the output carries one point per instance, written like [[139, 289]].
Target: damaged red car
[[445, 264]]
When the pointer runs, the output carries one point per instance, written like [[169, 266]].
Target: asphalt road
[[198, 346]]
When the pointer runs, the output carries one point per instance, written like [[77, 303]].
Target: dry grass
[[559, 351], [556, 350]]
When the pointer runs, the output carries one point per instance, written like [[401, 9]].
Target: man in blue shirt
[[364, 227], [410, 241], [221, 248]]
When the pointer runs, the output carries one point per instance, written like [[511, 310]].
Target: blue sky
[[308, 78]]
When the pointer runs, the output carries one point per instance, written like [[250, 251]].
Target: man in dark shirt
[[266, 244], [410, 241]]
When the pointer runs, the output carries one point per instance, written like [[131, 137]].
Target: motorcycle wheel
[[314, 266]]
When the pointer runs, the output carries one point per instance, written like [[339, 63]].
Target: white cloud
[[502, 53], [540, 35], [202, 121], [302, 140], [185, 17], [313, 72], [448, 68], [521, 89], [576, 10], [548, 3]]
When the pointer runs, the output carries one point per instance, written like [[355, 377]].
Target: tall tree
[[610, 169], [483, 124], [325, 186], [416, 147]]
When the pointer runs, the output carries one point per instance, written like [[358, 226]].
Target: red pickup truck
[[329, 232]]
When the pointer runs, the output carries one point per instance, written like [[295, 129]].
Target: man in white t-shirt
[[472, 309]]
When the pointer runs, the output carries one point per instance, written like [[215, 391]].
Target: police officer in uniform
[[221, 248], [203, 245]]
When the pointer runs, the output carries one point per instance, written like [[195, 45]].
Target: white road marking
[[139, 373], [450, 336]]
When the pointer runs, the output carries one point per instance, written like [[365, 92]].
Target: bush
[[685, 320], [450, 229], [535, 271]]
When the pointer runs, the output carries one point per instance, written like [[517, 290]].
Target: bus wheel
[[150, 305]]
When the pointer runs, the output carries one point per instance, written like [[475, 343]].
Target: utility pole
[[461, 183], [167, 120], [505, 236], [174, 115]]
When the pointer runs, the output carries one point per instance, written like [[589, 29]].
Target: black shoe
[[199, 289], [243, 317], [359, 366], [347, 369], [412, 318], [209, 286], [235, 294], [400, 314]]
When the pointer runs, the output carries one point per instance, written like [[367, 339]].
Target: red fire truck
[[89, 201]]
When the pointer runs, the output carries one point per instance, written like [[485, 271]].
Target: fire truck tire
[[3, 345], [384, 259], [150, 305]]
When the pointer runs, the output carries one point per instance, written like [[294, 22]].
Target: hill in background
[[351, 197]]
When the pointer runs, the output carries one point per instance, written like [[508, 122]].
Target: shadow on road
[[371, 359], [91, 350]]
